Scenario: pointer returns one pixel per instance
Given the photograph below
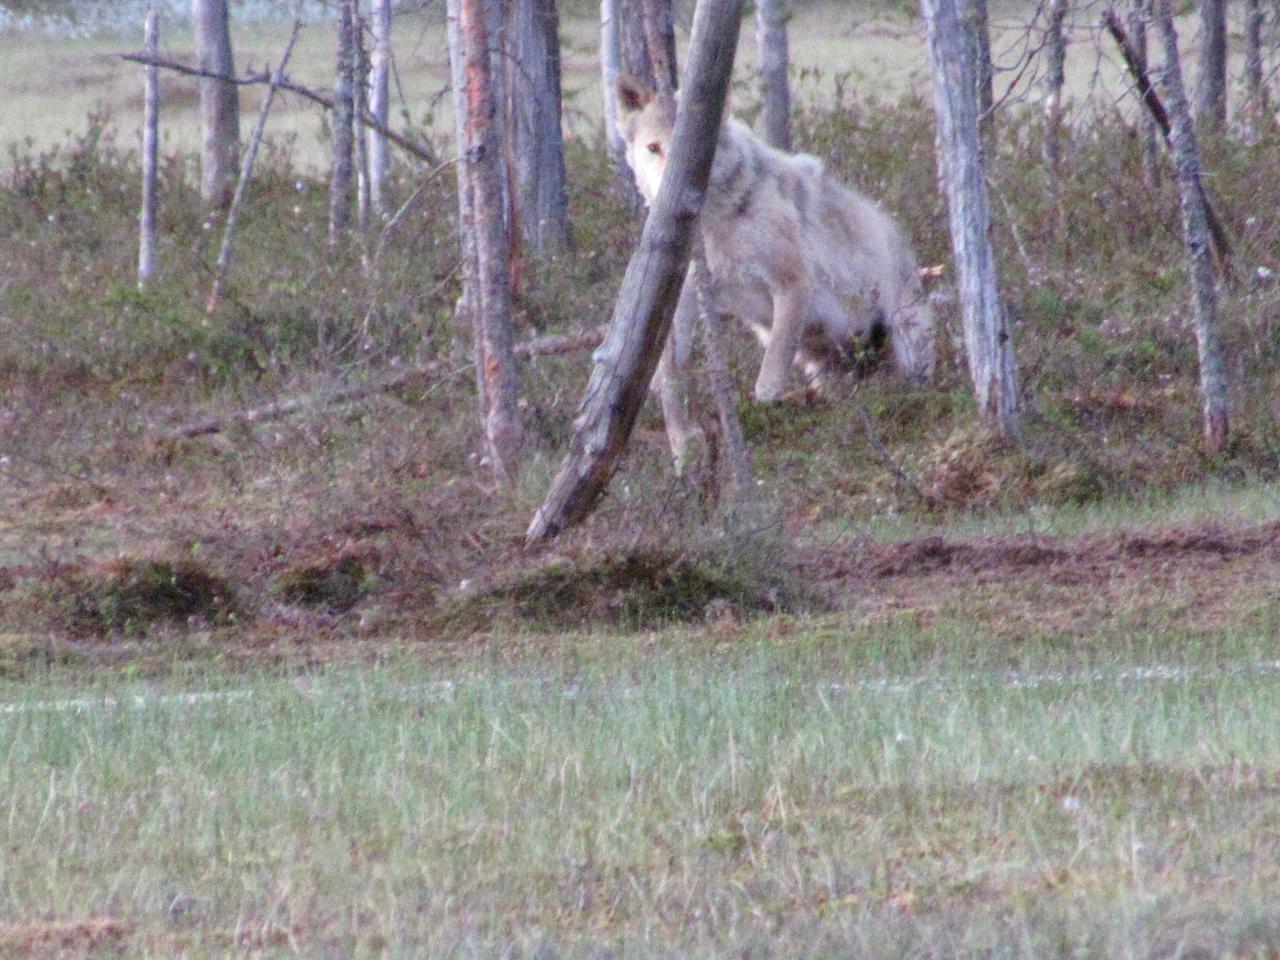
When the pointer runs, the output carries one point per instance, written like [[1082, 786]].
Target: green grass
[[762, 799]]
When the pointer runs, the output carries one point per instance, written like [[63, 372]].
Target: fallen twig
[[404, 376]]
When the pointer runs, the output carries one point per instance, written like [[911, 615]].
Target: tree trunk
[[720, 383], [771, 36], [1195, 228], [379, 105], [1139, 17], [1211, 88], [610, 67], [219, 104], [533, 109], [341, 175], [648, 42], [359, 107], [150, 149], [488, 277], [1257, 105], [625, 362], [988, 341], [1055, 79], [977, 22]]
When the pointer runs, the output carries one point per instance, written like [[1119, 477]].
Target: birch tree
[[1055, 79], [624, 363], [342, 164], [771, 39], [1195, 230], [1257, 105], [1211, 86], [534, 123], [150, 150], [987, 336], [379, 103], [219, 103], [487, 242], [977, 22], [1139, 17]]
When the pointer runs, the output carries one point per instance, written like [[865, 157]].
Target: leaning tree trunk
[[341, 171], [625, 362], [988, 341], [1195, 229], [1139, 16], [533, 110], [771, 37], [379, 104], [1211, 87], [219, 103], [150, 147], [1055, 79], [488, 296]]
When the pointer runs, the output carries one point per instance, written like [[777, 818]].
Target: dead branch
[[420, 150], [246, 171], [557, 344], [1151, 100]]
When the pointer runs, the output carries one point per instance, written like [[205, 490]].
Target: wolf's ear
[[633, 96]]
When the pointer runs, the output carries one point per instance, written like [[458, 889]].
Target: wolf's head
[[646, 122]]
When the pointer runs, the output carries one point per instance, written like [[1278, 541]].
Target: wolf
[[813, 268]]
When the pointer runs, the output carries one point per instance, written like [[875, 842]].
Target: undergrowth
[[378, 511]]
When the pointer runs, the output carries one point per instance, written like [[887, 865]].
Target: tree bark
[[1257, 103], [219, 103], [988, 339], [977, 22], [771, 37], [534, 112], [359, 107], [647, 36], [1195, 229], [720, 383], [1211, 86], [610, 67], [341, 172], [624, 364], [489, 295], [150, 150], [1055, 79], [1139, 17], [379, 104]]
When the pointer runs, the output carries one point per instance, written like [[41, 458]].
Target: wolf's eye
[[655, 148]]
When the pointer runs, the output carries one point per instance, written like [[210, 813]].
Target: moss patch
[[338, 585], [637, 589], [131, 595]]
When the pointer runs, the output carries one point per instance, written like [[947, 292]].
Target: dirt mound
[[935, 555]]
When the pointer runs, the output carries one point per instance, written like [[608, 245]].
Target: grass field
[[834, 791]]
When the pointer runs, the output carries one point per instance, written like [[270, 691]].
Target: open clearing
[[1013, 744]]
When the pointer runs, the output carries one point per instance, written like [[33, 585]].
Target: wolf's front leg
[[790, 307]]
